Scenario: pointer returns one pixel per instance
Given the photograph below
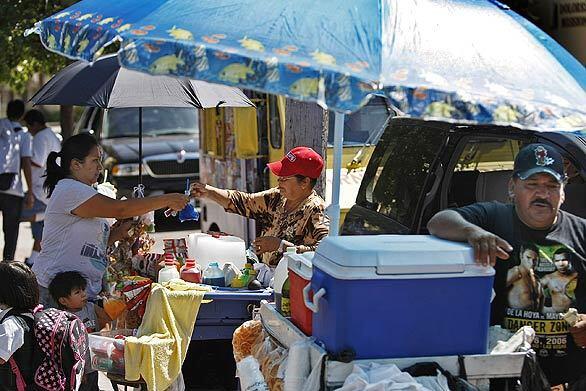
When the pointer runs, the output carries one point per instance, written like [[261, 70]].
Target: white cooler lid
[[396, 255], [301, 263]]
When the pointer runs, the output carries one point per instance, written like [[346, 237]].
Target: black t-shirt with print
[[543, 277]]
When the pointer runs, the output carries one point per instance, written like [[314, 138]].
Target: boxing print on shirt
[[540, 287]]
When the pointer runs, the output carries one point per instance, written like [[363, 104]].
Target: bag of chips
[[176, 247]]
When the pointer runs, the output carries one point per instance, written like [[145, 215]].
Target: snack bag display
[[146, 265], [135, 293], [176, 247]]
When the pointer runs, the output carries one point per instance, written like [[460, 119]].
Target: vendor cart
[[228, 309], [210, 362], [478, 368]]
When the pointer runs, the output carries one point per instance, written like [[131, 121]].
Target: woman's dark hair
[[312, 181], [64, 283], [76, 147], [18, 286]]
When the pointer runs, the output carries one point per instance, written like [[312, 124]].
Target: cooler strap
[[462, 368]]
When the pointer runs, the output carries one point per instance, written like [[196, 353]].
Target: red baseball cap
[[298, 161]]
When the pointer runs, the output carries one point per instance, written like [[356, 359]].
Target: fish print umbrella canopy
[[458, 60]]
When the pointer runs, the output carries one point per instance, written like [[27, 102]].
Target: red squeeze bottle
[[190, 272]]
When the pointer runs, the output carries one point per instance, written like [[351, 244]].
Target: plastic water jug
[[230, 272], [215, 248], [213, 275], [169, 272], [190, 272]]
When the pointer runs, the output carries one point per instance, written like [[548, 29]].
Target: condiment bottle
[[190, 272], [169, 272]]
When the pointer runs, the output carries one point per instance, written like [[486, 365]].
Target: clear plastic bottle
[[250, 272], [169, 272], [213, 275], [190, 272], [281, 275]]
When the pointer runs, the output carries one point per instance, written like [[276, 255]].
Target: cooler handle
[[313, 305]]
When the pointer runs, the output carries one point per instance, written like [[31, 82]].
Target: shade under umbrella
[[105, 84]]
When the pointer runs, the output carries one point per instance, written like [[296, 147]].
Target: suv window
[[488, 155], [398, 170], [156, 121], [482, 171]]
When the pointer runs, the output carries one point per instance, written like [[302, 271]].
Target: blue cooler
[[393, 296]]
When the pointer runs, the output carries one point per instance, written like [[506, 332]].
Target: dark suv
[[420, 167], [170, 146]]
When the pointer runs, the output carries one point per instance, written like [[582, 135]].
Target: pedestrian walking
[[44, 142], [15, 154]]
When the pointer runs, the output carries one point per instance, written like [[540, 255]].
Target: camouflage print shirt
[[305, 226]]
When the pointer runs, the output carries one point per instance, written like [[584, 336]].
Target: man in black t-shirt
[[546, 285]]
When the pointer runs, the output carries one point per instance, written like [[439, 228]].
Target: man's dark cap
[[539, 158]]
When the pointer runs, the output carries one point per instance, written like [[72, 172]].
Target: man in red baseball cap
[[290, 215]]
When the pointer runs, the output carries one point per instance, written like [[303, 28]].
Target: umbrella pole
[[140, 145], [333, 210]]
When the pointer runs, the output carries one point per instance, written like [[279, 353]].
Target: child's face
[[76, 300]]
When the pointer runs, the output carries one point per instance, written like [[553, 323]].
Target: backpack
[[60, 346], [62, 343], [17, 372]]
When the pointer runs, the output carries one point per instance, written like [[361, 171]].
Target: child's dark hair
[[18, 286], [76, 147], [34, 117], [64, 283]]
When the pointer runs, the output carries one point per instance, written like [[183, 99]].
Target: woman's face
[[292, 188], [90, 169]]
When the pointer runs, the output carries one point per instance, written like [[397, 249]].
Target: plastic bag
[[148, 219], [188, 213], [272, 360], [135, 293], [251, 378], [432, 368], [146, 265], [230, 272], [245, 337], [532, 377]]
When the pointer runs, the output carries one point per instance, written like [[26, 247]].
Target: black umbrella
[[105, 84]]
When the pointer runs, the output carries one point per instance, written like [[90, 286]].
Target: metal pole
[[140, 145], [333, 210]]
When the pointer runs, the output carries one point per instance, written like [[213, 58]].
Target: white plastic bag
[[251, 378]]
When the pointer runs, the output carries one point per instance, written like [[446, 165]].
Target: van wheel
[[214, 227]]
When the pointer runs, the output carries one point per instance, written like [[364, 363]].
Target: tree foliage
[[22, 56]]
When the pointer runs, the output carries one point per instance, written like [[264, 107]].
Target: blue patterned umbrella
[[460, 60], [466, 61]]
